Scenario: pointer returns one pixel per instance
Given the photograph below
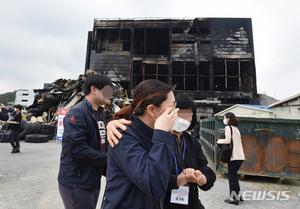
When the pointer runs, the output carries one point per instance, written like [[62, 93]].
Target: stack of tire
[[48, 130], [3, 135], [4, 132], [36, 133]]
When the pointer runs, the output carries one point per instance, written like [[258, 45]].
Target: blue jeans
[[13, 137]]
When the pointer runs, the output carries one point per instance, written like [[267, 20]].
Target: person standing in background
[[237, 158], [3, 114], [15, 127]]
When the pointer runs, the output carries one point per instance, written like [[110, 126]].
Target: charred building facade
[[212, 59]]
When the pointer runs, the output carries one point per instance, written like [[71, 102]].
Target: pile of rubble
[[40, 119], [64, 93]]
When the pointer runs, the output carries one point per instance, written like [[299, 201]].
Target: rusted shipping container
[[271, 146]]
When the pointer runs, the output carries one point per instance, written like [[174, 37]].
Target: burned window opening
[[232, 68], [143, 72], [190, 69], [113, 40], [151, 41], [150, 69], [219, 83], [203, 69], [219, 68], [139, 44], [190, 82], [177, 30], [246, 76], [177, 68]]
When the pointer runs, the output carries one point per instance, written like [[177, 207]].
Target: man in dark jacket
[[83, 158], [15, 128], [3, 114]]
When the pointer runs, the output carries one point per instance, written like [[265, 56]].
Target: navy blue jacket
[[3, 114], [82, 162], [139, 168]]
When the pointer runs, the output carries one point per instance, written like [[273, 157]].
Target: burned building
[[212, 59]]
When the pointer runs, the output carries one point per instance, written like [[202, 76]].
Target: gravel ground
[[29, 181]]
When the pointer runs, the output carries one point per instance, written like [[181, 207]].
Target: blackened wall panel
[[232, 38], [115, 66]]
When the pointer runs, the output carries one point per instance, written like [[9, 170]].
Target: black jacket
[[3, 114], [82, 162], [138, 172], [194, 158]]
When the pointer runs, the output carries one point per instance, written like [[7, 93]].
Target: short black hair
[[18, 106], [96, 80], [184, 101]]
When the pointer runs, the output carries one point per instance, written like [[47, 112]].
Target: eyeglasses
[[174, 106]]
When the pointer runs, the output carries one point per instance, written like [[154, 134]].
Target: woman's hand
[[112, 131], [182, 179], [166, 121], [195, 176]]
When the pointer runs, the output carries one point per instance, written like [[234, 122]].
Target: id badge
[[180, 195]]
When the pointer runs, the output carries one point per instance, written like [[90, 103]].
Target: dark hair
[[146, 93], [18, 106], [184, 101], [233, 120], [96, 80]]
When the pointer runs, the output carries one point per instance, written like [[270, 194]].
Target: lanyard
[[182, 155]]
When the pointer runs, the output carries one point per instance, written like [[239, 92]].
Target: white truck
[[24, 97]]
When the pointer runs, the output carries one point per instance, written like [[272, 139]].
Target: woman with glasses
[[138, 169]]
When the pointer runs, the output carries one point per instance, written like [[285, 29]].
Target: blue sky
[[42, 41]]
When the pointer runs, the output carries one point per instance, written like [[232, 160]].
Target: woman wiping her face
[[139, 168]]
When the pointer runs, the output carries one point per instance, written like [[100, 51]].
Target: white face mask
[[181, 125], [225, 122], [15, 109]]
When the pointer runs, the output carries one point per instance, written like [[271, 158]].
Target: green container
[[271, 146]]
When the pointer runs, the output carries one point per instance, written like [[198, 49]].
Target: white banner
[[60, 126]]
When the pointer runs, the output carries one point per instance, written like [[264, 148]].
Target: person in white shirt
[[237, 157]]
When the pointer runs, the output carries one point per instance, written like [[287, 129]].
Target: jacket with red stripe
[[82, 162]]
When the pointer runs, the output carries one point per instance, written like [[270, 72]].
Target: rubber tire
[[50, 137], [48, 127], [29, 128], [6, 126], [5, 135], [22, 135], [36, 129], [46, 132], [36, 138], [23, 124]]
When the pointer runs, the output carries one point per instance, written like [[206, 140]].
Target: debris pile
[[64, 93]]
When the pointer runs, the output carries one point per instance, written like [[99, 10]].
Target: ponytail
[[147, 92]]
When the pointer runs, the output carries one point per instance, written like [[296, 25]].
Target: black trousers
[[74, 198], [234, 186]]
